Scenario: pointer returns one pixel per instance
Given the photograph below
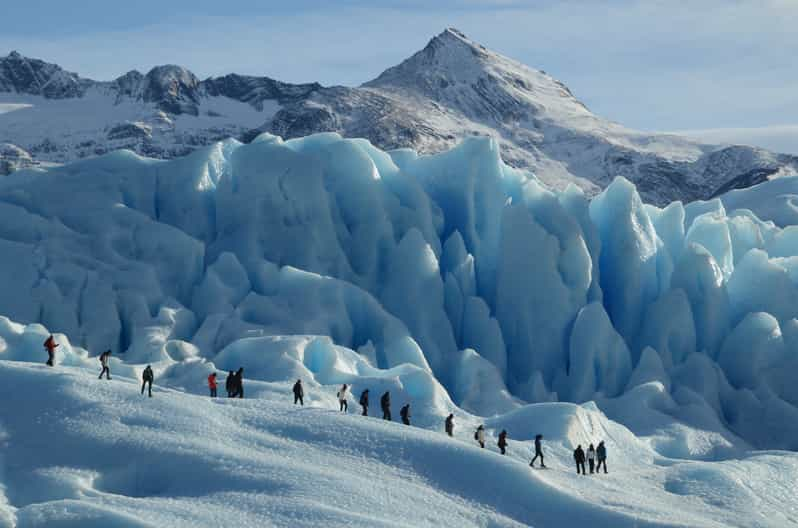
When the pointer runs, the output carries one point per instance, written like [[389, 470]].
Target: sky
[[720, 70]]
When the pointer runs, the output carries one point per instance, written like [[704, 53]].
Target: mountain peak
[[463, 75], [449, 55], [22, 74]]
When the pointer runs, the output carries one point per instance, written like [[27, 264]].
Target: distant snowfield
[[778, 138], [10, 107], [85, 125]]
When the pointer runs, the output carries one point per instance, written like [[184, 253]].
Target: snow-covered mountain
[[451, 89]]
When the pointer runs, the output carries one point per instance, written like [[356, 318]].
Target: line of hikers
[[343, 402], [147, 376], [596, 457]]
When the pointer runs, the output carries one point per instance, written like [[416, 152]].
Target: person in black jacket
[[147, 376], [105, 357], [538, 451], [385, 403], [239, 382], [503, 442], [449, 425], [404, 412], [601, 455], [579, 458], [364, 402], [230, 384], [299, 393]]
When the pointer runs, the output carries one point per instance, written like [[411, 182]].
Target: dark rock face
[[129, 131], [13, 158], [173, 89], [32, 76], [255, 90]]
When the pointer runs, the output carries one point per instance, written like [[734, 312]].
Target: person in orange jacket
[[50, 345], [212, 384]]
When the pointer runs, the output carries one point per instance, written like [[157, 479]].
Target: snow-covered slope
[[78, 451], [452, 89]]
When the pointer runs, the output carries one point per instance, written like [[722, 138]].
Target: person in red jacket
[[50, 345], [212, 384]]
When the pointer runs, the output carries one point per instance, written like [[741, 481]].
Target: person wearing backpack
[[50, 345], [146, 377], [479, 436], [404, 412], [538, 451], [299, 393], [342, 395], [385, 403], [212, 384], [449, 425], [364, 402], [104, 359], [503, 442]]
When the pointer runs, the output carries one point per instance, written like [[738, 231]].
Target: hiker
[[404, 412], [239, 382], [146, 377], [479, 436], [342, 394], [385, 403], [212, 384], [591, 458], [601, 455], [503, 442], [104, 358], [579, 458], [364, 402], [50, 345], [230, 384], [299, 393], [538, 452], [450, 425]]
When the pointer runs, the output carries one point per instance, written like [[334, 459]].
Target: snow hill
[[452, 89], [78, 451]]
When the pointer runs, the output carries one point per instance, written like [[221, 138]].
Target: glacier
[[459, 284], [462, 269]]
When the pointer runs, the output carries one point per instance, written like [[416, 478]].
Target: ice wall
[[456, 264]]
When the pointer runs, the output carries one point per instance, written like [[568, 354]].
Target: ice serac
[[630, 277], [599, 360], [444, 276]]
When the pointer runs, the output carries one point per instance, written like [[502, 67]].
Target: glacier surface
[[455, 268]]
